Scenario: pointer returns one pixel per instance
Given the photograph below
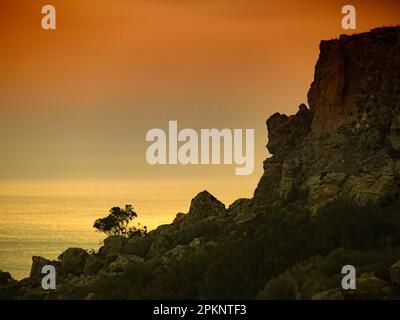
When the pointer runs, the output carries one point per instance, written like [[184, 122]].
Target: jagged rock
[[205, 205], [5, 278], [356, 79], [347, 144], [73, 261], [165, 229], [37, 265], [395, 273], [180, 217], [286, 132]]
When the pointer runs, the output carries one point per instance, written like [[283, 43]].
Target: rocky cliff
[[347, 143]]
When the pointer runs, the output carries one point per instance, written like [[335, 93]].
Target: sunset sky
[[76, 102]]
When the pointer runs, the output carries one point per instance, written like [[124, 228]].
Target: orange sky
[[77, 102]]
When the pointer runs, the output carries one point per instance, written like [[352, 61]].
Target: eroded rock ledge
[[347, 143]]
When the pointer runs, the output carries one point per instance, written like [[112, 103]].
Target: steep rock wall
[[347, 144]]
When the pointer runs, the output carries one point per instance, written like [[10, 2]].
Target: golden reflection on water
[[46, 217]]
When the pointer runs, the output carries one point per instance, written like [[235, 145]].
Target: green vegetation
[[306, 279], [280, 254], [117, 222]]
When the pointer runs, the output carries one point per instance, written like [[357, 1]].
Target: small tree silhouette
[[117, 223]]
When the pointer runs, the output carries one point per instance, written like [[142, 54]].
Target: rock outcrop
[[37, 264], [347, 144], [204, 205], [5, 278], [73, 261]]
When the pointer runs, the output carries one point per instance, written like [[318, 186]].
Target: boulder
[[205, 205], [37, 264], [356, 79], [73, 261]]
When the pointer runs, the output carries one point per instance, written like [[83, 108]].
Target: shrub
[[117, 222]]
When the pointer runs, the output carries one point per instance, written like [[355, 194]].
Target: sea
[[44, 218]]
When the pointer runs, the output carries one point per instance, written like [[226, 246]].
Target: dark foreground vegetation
[[277, 253]]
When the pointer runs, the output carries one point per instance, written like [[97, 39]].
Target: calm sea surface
[[45, 218]]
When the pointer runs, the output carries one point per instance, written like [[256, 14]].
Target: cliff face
[[347, 144]]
